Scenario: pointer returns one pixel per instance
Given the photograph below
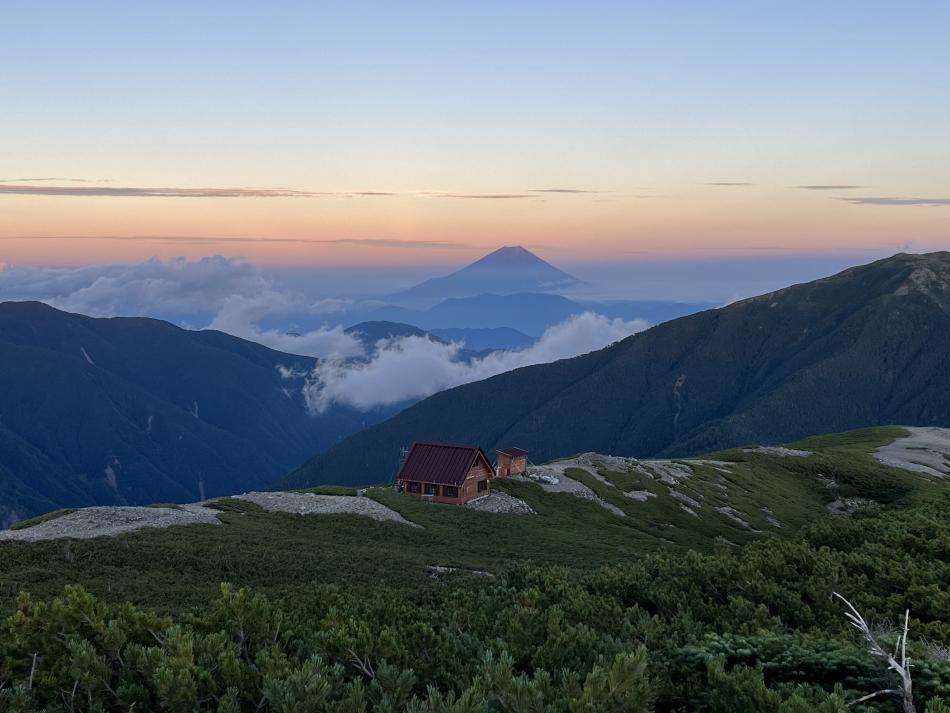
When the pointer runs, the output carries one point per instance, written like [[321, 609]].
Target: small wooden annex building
[[511, 461], [445, 472]]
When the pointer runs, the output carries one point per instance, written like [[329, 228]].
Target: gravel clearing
[[312, 504], [925, 450], [565, 484], [501, 503], [88, 523]]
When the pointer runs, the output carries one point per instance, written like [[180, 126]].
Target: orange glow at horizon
[[699, 221]]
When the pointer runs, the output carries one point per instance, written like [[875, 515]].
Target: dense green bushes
[[740, 632]]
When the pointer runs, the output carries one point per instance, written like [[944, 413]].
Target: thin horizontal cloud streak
[[887, 200], [223, 240], [561, 190], [481, 196], [47, 180], [138, 192], [33, 187], [829, 187]]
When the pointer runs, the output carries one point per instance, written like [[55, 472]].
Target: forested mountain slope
[[131, 410]]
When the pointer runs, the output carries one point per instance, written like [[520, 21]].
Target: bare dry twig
[[899, 666]]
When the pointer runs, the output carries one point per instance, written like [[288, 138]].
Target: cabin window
[[414, 487], [482, 486], [432, 489], [450, 491]]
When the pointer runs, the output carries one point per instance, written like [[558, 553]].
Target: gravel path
[[88, 523], [501, 503], [312, 504], [925, 450]]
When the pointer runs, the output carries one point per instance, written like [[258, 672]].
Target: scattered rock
[[770, 518], [847, 506], [721, 465], [501, 503], [688, 509], [639, 495], [684, 498], [734, 515], [780, 451], [668, 471], [312, 504], [564, 484]]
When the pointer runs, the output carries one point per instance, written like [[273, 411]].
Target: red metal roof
[[443, 463], [513, 452]]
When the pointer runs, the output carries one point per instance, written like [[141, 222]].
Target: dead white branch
[[900, 666]]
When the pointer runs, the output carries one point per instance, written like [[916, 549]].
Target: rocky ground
[[110, 521], [551, 477], [779, 451], [311, 504], [501, 503], [926, 450], [87, 523]]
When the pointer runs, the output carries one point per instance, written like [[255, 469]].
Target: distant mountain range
[[133, 410], [865, 347], [370, 333], [528, 313], [485, 338], [505, 271]]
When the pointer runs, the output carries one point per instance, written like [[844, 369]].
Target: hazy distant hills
[[505, 271], [529, 313], [865, 347], [370, 333], [132, 410], [485, 338]]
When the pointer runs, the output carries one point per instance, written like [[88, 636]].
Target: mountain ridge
[[133, 410], [861, 348]]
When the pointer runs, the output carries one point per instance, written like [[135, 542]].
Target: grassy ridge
[[287, 555]]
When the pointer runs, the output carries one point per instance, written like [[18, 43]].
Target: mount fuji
[[506, 271]]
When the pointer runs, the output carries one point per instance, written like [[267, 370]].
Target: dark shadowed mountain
[[505, 271], [368, 333], [530, 313], [865, 347], [485, 338], [132, 410]]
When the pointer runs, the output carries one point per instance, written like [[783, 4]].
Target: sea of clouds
[[236, 297]]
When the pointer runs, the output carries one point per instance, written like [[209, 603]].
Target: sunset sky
[[428, 133]]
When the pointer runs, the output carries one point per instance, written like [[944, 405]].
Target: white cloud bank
[[415, 367], [231, 292], [169, 286], [240, 314], [234, 296]]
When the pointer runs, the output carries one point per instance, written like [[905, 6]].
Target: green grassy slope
[[288, 555]]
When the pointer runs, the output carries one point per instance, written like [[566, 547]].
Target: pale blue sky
[[628, 99]]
